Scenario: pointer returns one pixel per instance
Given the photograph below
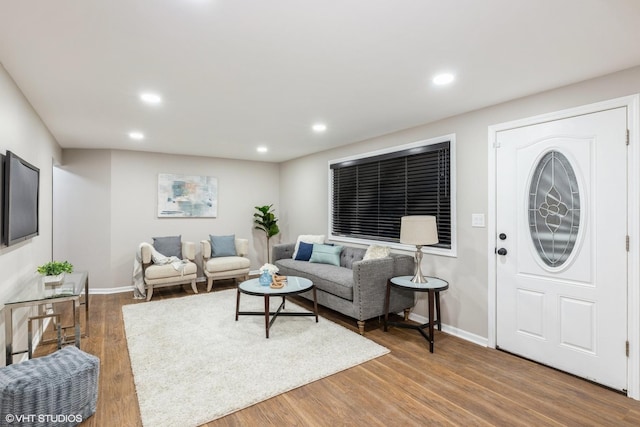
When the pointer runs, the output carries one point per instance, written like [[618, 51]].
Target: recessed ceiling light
[[443, 79], [136, 135], [319, 127], [262, 149], [151, 98]]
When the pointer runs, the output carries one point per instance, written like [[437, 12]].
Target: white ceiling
[[236, 74]]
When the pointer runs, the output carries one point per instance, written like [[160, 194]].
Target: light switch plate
[[477, 220]]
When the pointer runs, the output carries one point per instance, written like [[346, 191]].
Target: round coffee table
[[295, 285]]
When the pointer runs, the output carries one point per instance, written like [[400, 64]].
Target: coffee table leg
[[266, 314], [386, 305], [315, 303], [237, 304]]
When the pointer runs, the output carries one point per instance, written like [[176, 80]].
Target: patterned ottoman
[[60, 389]]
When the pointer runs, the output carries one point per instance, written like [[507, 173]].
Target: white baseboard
[[127, 288], [451, 330]]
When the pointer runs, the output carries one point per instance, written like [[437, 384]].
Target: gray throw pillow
[[169, 245], [223, 245]]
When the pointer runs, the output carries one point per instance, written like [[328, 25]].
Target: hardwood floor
[[460, 384]]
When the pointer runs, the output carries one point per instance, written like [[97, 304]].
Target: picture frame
[[187, 196]]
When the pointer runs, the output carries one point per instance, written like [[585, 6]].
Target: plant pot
[[53, 280]]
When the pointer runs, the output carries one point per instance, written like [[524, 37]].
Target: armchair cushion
[[223, 246], [156, 271], [168, 246], [230, 263]]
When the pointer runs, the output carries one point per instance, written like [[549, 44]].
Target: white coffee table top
[[294, 285]]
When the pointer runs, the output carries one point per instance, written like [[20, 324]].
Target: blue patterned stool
[[59, 389]]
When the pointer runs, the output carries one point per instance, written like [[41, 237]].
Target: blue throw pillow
[[223, 245], [168, 246], [326, 254], [304, 251]]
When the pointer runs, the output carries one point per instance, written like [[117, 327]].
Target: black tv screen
[[21, 191]]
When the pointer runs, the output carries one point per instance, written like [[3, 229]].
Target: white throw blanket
[[138, 281]]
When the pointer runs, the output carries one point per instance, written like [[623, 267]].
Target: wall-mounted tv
[[20, 200]]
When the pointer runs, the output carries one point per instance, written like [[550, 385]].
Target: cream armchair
[[171, 273], [225, 267]]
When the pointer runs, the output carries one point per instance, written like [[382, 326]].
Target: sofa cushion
[[329, 278], [304, 251], [326, 254], [222, 246], [168, 246], [307, 238]]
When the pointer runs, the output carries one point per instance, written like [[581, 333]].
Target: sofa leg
[[406, 313], [193, 286], [361, 326], [149, 292], [209, 283]]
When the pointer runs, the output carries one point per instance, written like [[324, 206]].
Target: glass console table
[[36, 294]]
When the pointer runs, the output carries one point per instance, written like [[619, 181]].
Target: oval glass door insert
[[554, 209]]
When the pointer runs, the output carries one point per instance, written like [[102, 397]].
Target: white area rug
[[193, 363]]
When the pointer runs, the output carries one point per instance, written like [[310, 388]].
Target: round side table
[[433, 287]]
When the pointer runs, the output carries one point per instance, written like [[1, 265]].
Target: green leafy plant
[[265, 220], [54, 268]]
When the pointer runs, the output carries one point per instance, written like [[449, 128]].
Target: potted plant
[[266, 221], [53, 271]]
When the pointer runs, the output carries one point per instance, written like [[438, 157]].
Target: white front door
[[561, 233]]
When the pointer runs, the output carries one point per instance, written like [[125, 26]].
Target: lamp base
[[419, 277]]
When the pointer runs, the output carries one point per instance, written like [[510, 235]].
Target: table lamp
[[419, 230]]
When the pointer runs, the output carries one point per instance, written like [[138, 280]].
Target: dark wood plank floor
[[461, 384]]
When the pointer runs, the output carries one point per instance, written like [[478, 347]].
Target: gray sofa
[[356, 288]]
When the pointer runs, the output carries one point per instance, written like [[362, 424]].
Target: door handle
[[501, 251]]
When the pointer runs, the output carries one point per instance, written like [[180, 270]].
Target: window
[[370, 193]]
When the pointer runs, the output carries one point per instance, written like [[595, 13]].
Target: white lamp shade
[[419, 230]]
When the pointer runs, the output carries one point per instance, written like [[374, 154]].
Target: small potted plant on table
[[54, 271]]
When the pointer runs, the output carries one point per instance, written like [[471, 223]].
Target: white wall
[[116, 196], [82, 214], [22, 132], [304, 190]]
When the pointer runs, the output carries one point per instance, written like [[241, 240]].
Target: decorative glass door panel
[[554, 208]]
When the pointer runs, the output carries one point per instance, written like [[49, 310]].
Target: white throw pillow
[[307, 238], [376, 251]]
